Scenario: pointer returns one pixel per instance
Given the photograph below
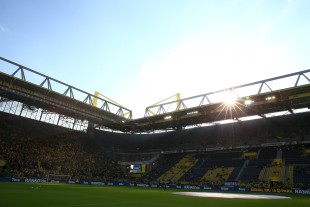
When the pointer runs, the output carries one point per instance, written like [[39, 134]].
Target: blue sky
[[138, 52]]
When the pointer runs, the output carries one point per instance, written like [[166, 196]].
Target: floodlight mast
[[97, 95], [177, 97]]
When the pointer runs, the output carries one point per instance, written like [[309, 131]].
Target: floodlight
[[248, 102]]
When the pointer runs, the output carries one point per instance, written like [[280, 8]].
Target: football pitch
[[64, 195]]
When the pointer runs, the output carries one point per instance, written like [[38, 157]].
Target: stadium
[[154, 103], [62, 146]]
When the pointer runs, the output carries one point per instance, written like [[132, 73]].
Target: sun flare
[[230, 99]]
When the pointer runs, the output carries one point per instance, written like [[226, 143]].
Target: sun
[[230, 99]]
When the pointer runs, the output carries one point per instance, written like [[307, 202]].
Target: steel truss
[[70, 108], [255, 88], [54, 85]]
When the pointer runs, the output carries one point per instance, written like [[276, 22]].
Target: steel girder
[[265, 100], [206, 99]]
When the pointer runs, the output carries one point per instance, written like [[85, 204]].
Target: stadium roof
[[56, 96]]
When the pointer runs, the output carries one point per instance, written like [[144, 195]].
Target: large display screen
[[137, 168]]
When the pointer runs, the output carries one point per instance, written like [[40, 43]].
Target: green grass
[[58, 195]]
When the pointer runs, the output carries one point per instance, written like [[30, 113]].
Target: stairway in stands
[[178, 170]]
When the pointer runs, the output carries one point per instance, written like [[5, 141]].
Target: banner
[[271, 190], [250, 154], [168, 186], [303, 192]]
